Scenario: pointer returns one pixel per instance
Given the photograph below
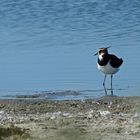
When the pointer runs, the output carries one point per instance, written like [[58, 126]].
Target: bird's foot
[[111, 92]]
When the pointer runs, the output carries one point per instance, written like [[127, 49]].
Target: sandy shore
[[109, 118]]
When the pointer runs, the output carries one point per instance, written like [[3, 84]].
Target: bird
[[109, 64]]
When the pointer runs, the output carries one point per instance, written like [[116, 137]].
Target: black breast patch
[[104, 61]]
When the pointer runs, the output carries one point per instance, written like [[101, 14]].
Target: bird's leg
[[104, 80], [104, 85], [111, 85]]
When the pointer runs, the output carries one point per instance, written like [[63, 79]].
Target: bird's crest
[[105, 48]]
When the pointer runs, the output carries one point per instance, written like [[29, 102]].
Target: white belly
[[108, 69]]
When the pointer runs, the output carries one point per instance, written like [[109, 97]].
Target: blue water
[[49, 44]]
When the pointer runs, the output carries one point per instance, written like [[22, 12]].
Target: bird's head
[[102, 52]]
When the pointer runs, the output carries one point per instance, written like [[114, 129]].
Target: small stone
[[105, 113], [65, 114]]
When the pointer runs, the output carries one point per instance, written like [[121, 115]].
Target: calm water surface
[[49, 44]]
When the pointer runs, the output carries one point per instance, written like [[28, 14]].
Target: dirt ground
[[108, 118]]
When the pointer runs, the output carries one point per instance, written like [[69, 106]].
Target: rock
[[55, 115], [105, 113], [90, 114], [65, 114]]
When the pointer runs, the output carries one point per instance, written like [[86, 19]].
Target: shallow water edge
[[63, 94]]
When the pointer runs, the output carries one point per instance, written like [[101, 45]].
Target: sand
[[108, 118]]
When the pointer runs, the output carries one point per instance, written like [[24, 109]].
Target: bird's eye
[[100, 51]]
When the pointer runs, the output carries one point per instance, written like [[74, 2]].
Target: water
[[49, 44]]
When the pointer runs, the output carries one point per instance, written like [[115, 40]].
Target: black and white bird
[[109, 64]]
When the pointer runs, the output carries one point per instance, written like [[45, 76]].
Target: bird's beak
[[95, 54]]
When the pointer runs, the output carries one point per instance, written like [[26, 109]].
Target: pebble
[[105, 113]]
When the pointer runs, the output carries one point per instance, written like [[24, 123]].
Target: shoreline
[[103, 119], [61, 94]]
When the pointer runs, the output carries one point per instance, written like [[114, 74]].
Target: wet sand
[[107, 118]]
